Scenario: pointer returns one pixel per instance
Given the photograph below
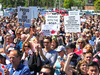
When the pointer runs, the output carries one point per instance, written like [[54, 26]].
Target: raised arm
[[4, 45], [66, 66]]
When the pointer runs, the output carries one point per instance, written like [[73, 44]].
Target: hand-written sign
[[24, 15], [52, 19], [49, 29]]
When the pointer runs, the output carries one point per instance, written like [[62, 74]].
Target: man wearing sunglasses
[[47, 70]]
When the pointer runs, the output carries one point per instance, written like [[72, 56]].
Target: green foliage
[[83, 3], [26, 5], [68, 3], [9, 6], [77, 3], [97, 4], [45, 3], [4, 6]]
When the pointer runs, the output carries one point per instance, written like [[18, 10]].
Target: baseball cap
[[10, 49], [71, 45], [3, 54], [60, 48]]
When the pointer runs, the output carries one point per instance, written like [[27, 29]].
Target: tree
[[97, 4], [77, 3], [68, 3]]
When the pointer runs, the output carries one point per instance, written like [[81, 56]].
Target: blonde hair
[[88, 48]]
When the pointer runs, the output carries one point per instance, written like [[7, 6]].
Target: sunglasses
[[68, 36], [26, 46], [80, 42], [83, 35], [46, 42], [18, 33], [44, 73]]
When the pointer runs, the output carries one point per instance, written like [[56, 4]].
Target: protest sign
[[1, 13], [73, 13], [34, 12], [49, 29], [72, 22], [7, 14], [52, 19], [24, 15]]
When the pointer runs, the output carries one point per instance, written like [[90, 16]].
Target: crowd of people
[[25, 51]]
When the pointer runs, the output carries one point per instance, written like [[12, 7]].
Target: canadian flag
[[2, 68], [10, 31]]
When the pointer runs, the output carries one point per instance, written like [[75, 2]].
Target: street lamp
[[59, 6], [16, 3]]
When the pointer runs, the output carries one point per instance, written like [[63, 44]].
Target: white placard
[[72, 23], [49, 29], [24, 15], [1, 13], [6, 14], [83, 20], [73, 13], [34, 12], [52, 19]]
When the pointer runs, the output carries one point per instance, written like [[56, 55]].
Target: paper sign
[[73, 13], [49, 29], [1, 13], [72, 23], [24, 15], [52, 19]]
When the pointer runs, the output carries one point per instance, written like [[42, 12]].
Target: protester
[[54, 43], [79, 46], [76, 58], [88, 56], [48, 56], [81, 67], [47, 70], [93, 68], [61, 57], [15, 36], [16, 67]]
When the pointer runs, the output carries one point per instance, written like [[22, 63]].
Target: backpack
[[34, 62]]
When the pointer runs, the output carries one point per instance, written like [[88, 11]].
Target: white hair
[[24, 35]]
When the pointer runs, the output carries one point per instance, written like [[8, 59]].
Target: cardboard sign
[[24, 15], [49, 29], [1, 13], [72, 23], [52, 19]]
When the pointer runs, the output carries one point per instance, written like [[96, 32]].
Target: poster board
[[72, 22], [25, 14], [49, 29]]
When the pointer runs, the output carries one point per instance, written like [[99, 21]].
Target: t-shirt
[[51, 57]]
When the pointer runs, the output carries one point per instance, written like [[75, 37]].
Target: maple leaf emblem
[[53, 32]]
